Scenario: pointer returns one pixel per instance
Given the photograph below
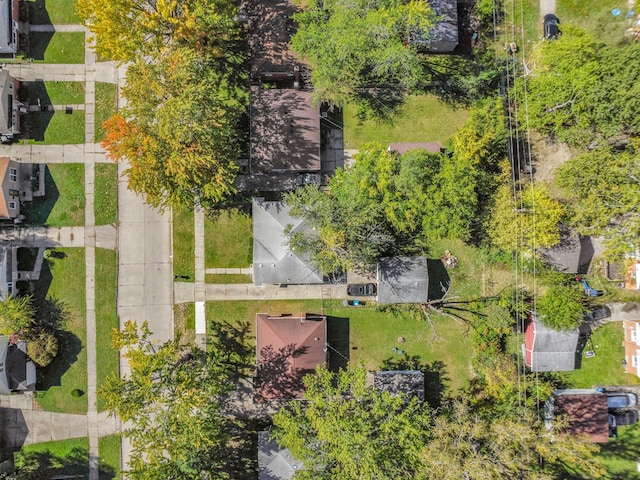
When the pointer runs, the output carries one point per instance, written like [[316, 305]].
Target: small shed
[[409, 382], [549, 350], [402, 280]]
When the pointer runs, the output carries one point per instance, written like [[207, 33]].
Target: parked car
[[361, 289], [625, 417], [621, 399], [550, 23]]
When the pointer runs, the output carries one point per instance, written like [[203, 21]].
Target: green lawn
[[55, 93], [424, 118], [367, 335], [58, 47], [63, 204], [183, 243], [109, 461], [606, 367], [52, 11], [106, 193], [56, 128], [229, 240], [595, 17], [105, 106], [63, 279], [106, 316], [228, 278], [523, 13]]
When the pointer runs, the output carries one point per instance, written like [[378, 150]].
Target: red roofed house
[[288, 347], [585, 411]]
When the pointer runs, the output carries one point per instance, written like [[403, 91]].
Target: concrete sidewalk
[[72, 153]]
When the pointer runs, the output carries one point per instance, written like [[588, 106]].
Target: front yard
[[63, 204], [228, 240], [58, 47], [42, 12], [55, 128], [63, 282]]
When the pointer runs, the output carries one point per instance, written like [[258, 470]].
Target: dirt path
[[547, 6], [547, 157]]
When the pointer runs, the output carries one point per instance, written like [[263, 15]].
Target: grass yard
[[523, 13], [620, 455], [105, 107], [229, 240], [184, 321], [63, 279], [595, 17], [106, 316], [59, 458], [228, 278], [55, 93], [183, 244], [368, 335], [424, 118], [58, 47], [56, 128], [52, 11], [606, 367], [63, 205], [109, 461], [106, 193]]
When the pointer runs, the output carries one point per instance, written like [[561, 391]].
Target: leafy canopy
[[562, 307], [170, 401], [353, 45]]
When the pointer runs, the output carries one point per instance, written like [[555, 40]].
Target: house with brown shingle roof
[[585, 412], [288, 348]]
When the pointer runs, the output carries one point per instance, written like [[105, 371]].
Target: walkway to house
[[87, 153], [107, 72], [51, 237]]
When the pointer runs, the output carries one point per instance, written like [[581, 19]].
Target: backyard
[[63, 204], [422, 119]]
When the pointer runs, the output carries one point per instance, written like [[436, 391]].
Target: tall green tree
[[352, 46], [604, 187], [562, 307], [17, 314], [181, 128], [171, 403], [125, 30], [347, 430]]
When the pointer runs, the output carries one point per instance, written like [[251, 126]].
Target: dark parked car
[[625, 417], [550, 23], [361, 289], [621, 399], [613, 426]]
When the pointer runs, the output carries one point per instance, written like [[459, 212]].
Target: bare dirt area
[[547, 157]]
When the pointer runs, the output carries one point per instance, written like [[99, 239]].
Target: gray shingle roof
[[274, 463], [549, 350], [273, 262], [402, 280]]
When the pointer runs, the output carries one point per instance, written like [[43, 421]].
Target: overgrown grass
[[105, 107], [229, 240], [595, 17], [63, 279], [184, 321], [606, 367], [109, 461], [364, 334], [522, 16], [106, 316], [63, 204], [56, 128], [58, 47], [106, 193], [52, 11], [183, 244], [424, 118], [228, 278]]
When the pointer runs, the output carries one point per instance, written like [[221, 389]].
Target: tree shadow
[[37, 212], [277, 377], [381, 104], [338, 331], [233, 342], [436, 380], [36, 122], [47, 465], [439, 280], [70, 347], [38, 44]]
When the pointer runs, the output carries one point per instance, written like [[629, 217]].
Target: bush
[[43, 348], [562, 307]]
